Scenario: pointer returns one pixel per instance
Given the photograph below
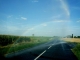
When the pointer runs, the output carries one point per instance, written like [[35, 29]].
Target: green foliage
[[76, 51], [8, 39], [3, 50], [9, 44]]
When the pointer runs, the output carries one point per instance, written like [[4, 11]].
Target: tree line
[[76, 36]]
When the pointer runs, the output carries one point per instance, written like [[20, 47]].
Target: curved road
[[53, 50]]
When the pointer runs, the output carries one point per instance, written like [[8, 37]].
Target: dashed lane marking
[[45, 50], [40, 55], [49, 47]]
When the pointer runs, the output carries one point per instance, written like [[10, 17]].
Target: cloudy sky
[[40, 17]]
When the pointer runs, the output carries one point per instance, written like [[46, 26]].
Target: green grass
[[24, 45], [3, 50], [21, 46], [76, 51]]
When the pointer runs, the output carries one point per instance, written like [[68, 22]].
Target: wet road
[[53, 50]]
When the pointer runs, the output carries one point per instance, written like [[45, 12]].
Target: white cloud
[[35, 1], [30, 29], [78, 8], [78, 21], [23, 18], [49, 31], [61, 20], [9, 16], [12, 28], [57, 16], [44, 11], [17, 18], [44, 24], [65, 7]]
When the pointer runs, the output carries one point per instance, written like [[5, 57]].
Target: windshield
[[30, 27]]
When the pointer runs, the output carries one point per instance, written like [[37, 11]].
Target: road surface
[[53, 50]]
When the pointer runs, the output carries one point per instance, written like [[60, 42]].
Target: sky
[[40, 17]]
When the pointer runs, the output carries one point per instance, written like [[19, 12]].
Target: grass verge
[[23, 45], [76, 50]]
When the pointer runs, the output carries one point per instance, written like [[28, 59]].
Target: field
[[75, 50], [77, 40], [11, 44]]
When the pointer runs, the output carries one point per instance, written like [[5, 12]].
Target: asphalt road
[[53, 50]]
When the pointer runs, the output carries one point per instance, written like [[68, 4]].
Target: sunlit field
[[11, 44], [76, 49], [72, 39]]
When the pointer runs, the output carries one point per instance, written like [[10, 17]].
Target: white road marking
[[49, 47], [40, 55], [62, 46]]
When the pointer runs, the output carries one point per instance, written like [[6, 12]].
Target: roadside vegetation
[[76, 49], [11, 44]]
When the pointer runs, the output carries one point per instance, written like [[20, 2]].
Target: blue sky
[[40, 17]]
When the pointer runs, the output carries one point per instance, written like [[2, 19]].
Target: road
[[53, 50]]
